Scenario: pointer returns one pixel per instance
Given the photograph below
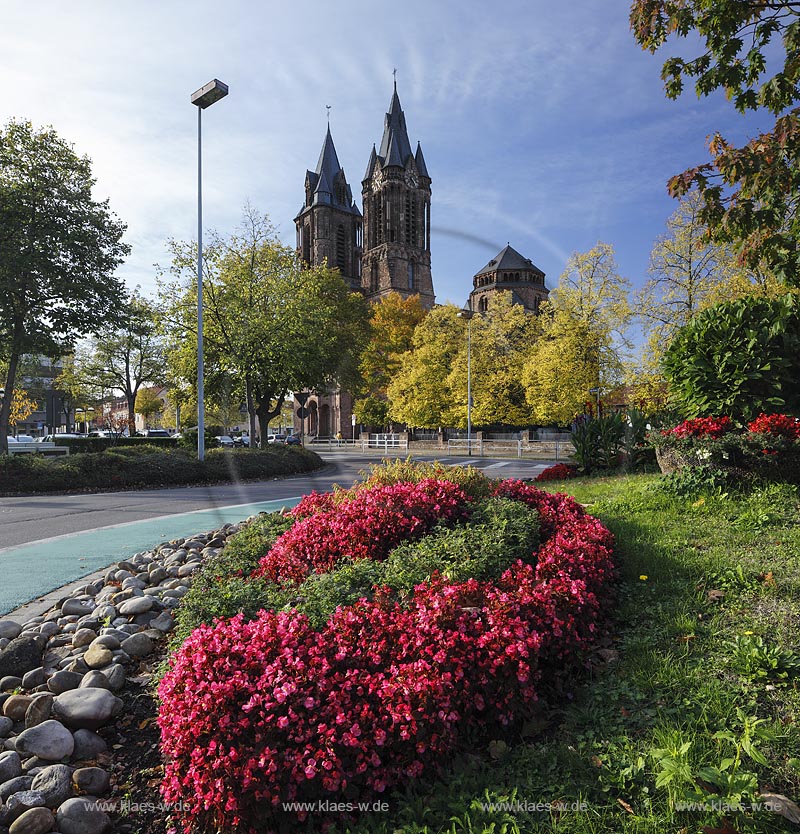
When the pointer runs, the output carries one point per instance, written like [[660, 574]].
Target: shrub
[[474, 483], [255, 714], [559, 472], [367, 524], [143, 465], [739, 359]]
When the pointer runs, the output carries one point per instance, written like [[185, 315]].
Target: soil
[[135, 762]]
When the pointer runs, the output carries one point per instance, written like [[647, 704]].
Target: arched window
[[483, 304], [306, 232], [412, 278], [373, 278], [341, 250]]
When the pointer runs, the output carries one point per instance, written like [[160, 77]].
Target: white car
[[23, 438], [225, 441]]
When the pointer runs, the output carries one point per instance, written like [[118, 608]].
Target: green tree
[[269, 323], [562, 368], [419, 395], [750, 50], [127, 357], [392, 324], [502, 338], [59, 249], [738, 359], [148, 404], [688, 272]]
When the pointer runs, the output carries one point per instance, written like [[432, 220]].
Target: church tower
[[329, 223], [396, 192]]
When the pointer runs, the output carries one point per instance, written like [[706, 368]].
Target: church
[[387, 247]]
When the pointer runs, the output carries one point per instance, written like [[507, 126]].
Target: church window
[[306, 233], [411, 219], [411, 275], [483, 304], [373, 278], [340, 248]]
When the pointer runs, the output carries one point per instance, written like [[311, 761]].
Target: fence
[[535, 449], [364, 443]]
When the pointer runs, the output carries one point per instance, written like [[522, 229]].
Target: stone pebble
[[58, 675]]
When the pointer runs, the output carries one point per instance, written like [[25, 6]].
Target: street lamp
[[202, 98], [467, 314]]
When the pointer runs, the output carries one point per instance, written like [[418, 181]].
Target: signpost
[[302, 413]]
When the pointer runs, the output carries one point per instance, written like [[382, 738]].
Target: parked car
[[276, 438], [242, 440], [103, 434], [156, 433], [51, 438], [24, 438], [293, 440], [224, 441]]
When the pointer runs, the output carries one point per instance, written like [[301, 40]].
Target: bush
[[559, 472], [738, 359], [255, 714], [474, 483], [364, 524], [79, 445], [143, 465]]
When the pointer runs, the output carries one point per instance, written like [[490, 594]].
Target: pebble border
[[59, 672]]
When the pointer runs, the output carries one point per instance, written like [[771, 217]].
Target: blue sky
[[543, 125]]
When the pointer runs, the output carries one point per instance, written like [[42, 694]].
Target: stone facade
[[510, 272], [387, 250]]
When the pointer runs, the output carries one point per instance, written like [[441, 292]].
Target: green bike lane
[[36, 562], [33, 569]]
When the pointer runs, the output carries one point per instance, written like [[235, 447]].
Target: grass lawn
[[695, 699]]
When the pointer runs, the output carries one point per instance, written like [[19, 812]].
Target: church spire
[[395, 132]]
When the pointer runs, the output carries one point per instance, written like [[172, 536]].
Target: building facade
[[510, 272], [386, 250]]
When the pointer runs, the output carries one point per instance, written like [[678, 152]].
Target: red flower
[[257, 714], [701, 427], [776, 425]]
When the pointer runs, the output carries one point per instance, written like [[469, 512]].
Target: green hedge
[[144, 465], [77, 445]]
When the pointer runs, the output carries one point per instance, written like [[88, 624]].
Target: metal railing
[[373, 441], [536, 449]]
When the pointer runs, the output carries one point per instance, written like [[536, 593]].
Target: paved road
[[48, 541], [34, 518]]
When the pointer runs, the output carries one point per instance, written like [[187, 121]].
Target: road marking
[[498, 465], [32, 569]]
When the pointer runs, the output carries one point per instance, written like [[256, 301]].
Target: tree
[[22, 406], [688, 272], [392, 324], [148, 404], [419, 395], [128, 357], [269, 323], [59, 249], [502, 337], [751, 193], [738, 359], [563, 367]]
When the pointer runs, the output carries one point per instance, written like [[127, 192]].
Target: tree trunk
[[265, 414], [130, 397], [251, 412], [5, 403]]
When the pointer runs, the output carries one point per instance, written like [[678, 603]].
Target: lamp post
[[202, 98], [467, 314]]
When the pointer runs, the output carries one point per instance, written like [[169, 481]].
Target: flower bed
[[768, 447], [256, 714], [557, 472]]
